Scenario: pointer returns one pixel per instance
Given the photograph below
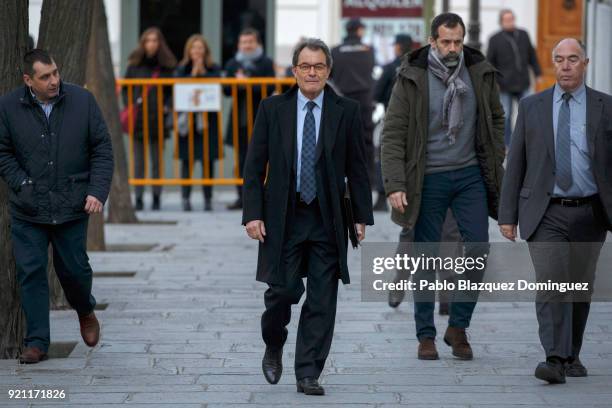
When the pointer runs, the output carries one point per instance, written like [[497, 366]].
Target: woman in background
[[151, 59], [198, 62]]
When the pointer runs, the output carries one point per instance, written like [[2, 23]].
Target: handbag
[[126, 113], [134, 109]]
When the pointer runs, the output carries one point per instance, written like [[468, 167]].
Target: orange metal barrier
[[168, 118]]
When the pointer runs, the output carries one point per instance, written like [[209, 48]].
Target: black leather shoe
[[551, 371], [576, 369], [396, 296], [156, 203], [443, 308], [207, 205], [272, 365], [381, 203], [310, 386], [236, 205], [139, 206], [186, 204]]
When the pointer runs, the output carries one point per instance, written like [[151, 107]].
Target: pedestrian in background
[[511, 53], [352, 77], [198, 62], [382, 94], [151, 59], [249, 62], [57, 159]]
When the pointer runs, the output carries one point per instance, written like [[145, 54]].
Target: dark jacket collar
[[28, 99], [417, 60], [330, 94]]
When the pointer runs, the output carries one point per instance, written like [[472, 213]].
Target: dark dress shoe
[[186, 204], [310, 386], [207, 205], [90, 329], [443, 309], [551, 371], [381, 203], [236, 205], [32, 355], [156, 203], [576, 369], [427, 349], [457, 339], [395, 298], [272, 365], [139, 206]]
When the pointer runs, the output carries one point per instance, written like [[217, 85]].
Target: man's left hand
[[93, 205], [360, 231]]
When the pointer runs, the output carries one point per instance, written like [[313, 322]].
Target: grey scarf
[[452, 105], [248, 60]]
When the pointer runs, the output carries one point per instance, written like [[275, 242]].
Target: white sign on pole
[[197, 97]]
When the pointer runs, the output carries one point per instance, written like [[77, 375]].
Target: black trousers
[[308, 252], [565, 248], [30, 245], [186, 190]]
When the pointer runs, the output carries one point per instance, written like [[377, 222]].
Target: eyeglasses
[[305, 68]]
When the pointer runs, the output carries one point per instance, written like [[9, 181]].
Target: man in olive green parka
[[443, 147]]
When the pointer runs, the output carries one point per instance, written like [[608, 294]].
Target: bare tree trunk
[[13, 45], [65, 27], [64, 32], [95, 233], [100, 80]]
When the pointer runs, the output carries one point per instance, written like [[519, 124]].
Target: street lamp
[[474, 25]]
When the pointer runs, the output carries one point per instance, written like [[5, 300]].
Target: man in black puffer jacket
[[56, 157]]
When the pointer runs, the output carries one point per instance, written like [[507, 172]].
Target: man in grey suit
[[558, 188]]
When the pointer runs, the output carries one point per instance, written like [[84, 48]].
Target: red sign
[[382, 8]]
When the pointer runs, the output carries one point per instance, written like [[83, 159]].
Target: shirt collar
[[578, 95], [50, 102], [303, 100]]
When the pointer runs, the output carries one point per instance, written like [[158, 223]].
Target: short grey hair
[[580, 43], [313, 44]]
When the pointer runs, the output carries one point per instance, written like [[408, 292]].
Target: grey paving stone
[[185, 332]]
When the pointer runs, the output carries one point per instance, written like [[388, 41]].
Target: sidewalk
[[183, 331]]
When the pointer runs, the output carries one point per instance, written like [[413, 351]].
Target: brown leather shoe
[[457, 339], [427, 349], [32, 355], [90, 329]]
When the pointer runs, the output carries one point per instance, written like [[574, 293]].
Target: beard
[[450, 60]]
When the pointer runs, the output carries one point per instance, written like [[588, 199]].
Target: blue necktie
[[563, 153], [308, 187]]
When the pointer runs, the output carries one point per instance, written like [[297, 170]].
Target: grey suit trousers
[[565, 248]]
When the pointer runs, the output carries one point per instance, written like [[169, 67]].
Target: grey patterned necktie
[[308, 187], [563, 153]]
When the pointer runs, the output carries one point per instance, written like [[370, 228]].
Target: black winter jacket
[[61, 160]]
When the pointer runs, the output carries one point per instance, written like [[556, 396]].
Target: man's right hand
[[398, 201], [256, 230], [508, 231]]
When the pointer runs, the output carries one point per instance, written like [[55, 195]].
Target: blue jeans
[[464, 192], [507, 101]]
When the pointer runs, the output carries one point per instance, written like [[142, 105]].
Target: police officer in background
[[352, 77], [382, 94], [401, 46]]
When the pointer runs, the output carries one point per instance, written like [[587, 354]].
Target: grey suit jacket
[[530, 170]]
